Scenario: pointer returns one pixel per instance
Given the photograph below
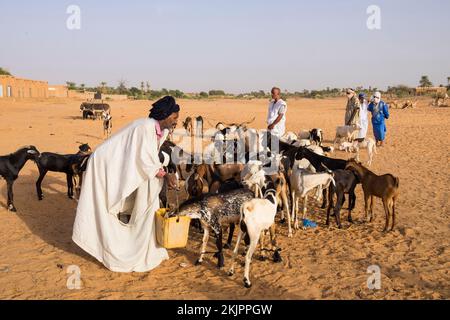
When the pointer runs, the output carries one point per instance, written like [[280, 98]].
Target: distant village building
[[430, 90], [11, 86]]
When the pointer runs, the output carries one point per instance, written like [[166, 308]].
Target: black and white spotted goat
[[10, 166], [214, 212]]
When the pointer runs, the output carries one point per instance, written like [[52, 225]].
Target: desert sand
[[323, 263]]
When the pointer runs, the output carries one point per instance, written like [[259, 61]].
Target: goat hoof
[[290, 235], [247, 283], [198, 262], [226, 246], [230, 273], [12, 208]]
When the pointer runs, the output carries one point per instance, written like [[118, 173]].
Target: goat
[[289, 137], [257, 216], [199, 126], [316, 135], [187, 125], [77, 178], [10, 166], [321, 164], [48, 161], [215, 211], [367, 143], [346, 182], [107, 123], [346, 132], [384, 187], [196, 184], [301, 183], [165, 157]]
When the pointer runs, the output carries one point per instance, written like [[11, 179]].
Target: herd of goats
[[247, 193]]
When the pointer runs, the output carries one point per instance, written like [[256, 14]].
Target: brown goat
[[282, 192], [197, 183], [384, 187]]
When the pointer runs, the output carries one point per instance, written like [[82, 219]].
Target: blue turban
[[362, 95], [163, 108]]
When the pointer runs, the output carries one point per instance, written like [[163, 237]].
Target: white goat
[[367, 143], [301, 183], [253, 177], [289, 137], [346, 132], [257, 216], [304, 134]]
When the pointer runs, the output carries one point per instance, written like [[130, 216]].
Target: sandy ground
[[325, 263]]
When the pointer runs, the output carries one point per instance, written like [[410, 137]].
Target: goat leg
[[235, 251], [248, 259], [42, 174], [386, 212], [286, 207], [10, 196], [230, 236], [371, 208], [69, 186], [220, 259], [337, 209], [204, 245], [324, 194]]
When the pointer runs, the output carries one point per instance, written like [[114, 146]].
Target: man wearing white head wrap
[[124, 177], [380, 112]]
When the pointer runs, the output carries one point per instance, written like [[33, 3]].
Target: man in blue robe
[[380, 112]]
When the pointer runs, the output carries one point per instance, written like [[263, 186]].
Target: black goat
[[346, 182], [49, 161], [10, 167]]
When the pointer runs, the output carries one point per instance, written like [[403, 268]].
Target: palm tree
[[103, 85], [425, 82]]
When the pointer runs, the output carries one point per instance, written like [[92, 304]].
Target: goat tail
[[397, 182], [332, 181]]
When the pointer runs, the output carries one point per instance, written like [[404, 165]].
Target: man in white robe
[[276, 118], [124, 176], [363, 117]]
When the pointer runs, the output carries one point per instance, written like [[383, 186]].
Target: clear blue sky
[[237, 46]]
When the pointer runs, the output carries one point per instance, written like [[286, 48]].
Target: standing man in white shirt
[[276, 119]]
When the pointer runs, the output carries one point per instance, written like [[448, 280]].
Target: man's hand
[[172, 181]]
